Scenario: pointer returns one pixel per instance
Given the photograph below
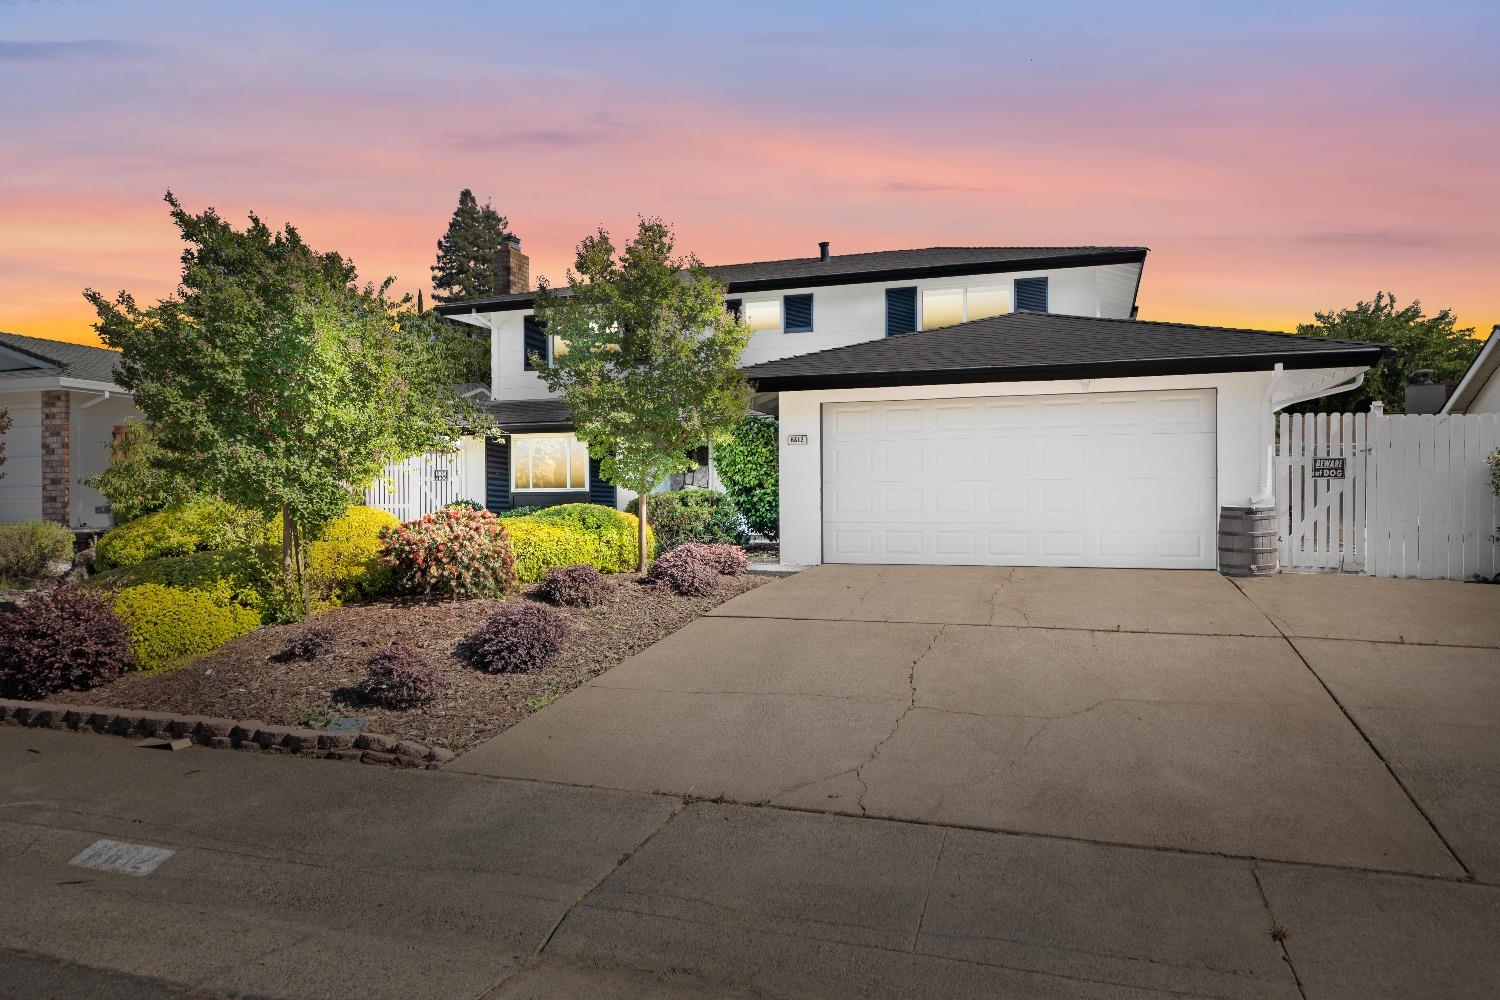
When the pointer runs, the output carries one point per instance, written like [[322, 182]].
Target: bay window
[[548, 462]]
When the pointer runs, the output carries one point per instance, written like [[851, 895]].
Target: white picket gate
[[1414, 500], [419, 485]]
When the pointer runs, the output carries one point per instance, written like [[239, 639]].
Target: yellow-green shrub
[[169, 624], [574, 534], [343, 561], [200, 526], [242, 576]]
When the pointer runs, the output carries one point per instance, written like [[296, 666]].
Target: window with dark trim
[[735, 308], [1031, 294], [900, 311], [798, 313], [534, 342]]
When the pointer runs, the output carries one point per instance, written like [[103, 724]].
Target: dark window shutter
[[497, 474], [796, 313], [900, 311], [600, 492], [535, 342], [735, 308], [1031, 294]]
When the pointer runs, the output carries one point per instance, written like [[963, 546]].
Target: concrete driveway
[[1341, 721]]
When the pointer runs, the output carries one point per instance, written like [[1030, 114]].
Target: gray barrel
[[1247, 541]]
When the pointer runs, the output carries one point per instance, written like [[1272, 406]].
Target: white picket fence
[[419, 485], [1414, 499]]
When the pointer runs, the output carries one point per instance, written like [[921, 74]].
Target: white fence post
[[1415, 498]]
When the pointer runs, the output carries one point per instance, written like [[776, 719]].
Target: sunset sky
[[1279, 159]]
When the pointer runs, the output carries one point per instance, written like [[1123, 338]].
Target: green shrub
[[343, 560], [27, 548], [470, 504], [519, 512], [199, 526], [453, 552], [748, 465], [692, 516], [169, 624], [137, 481], [574, 534], [243, 576]]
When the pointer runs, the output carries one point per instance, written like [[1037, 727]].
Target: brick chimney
[[512, 267]]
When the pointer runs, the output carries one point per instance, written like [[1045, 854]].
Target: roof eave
[[1044, 373], [867, 275]]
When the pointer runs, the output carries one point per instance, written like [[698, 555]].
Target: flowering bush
[[309, 644], [402, 677], [67, 638], [729, 560], [455, 552], [576, 586], [521, 636]]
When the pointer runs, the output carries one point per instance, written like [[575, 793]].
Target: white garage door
[[1109, 479]]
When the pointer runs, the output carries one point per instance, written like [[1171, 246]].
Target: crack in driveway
[[911, 680]]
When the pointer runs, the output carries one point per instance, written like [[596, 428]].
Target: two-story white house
[[959, 405]]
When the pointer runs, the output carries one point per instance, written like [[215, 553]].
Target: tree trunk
[[645, 549], [288, 537], [301, 559]]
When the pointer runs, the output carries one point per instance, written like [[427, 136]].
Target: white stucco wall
[[1239, 409], [842, 314], [21, 475]]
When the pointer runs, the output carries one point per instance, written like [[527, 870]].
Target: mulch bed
[[240, 681]]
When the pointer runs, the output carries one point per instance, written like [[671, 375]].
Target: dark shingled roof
[[1031, 345], [526, 414], [881, 265], [80, 361]]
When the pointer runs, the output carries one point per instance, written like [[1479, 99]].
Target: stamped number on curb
[[125, 859]]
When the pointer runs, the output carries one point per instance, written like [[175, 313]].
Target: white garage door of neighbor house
[[1110, 479]]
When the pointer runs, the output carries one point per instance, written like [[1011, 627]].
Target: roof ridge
[[872, 253], [1191, 326]]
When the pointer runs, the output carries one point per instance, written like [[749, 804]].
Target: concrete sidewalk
[[295, 878]]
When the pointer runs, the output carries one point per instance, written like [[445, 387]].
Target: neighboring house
[[65, 408], [1479, 391], [959, 405]]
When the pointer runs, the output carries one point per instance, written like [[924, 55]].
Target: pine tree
[[466, 253]]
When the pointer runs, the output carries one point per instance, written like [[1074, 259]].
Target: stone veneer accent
[[225, 734], [56, 463]]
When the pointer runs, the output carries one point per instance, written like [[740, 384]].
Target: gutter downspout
[[1267, 496]]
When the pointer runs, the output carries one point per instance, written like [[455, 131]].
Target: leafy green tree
[[139, 479], [465, 267], [276, 382], [650, 366], [1431, 342], [748, 464]]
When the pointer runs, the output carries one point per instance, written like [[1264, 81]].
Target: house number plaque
[[1328, 468], [796, 439]]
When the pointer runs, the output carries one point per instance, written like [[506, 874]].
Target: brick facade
[[56, 457]]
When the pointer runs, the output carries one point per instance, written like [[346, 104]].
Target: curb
[[225, 734]]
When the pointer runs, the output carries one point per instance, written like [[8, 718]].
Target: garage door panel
[[1117, 479]]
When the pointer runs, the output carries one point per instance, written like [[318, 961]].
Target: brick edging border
[[225, 734]]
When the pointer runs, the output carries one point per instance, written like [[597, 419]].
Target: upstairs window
[[764, 317], [1031, 294], [735, 308], [534, 343], [948, 306], [798, 310]]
